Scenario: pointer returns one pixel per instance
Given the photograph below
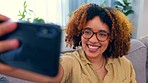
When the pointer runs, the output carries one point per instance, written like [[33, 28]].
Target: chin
[[92, 54]]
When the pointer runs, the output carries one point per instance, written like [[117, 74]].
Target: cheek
[[105, 44], [83, 41]]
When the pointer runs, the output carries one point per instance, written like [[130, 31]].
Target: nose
[[93, 39]]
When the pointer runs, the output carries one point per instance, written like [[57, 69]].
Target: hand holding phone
[[6, 28], [39, 48]]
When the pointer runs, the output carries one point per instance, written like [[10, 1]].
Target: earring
[[80, 43]]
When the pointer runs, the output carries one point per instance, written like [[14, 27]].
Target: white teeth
[[93, 47]]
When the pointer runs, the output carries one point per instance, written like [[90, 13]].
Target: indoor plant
[[25, 13], [124, 6]]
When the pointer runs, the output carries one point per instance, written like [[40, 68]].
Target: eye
[[87, 32], [103, 34]]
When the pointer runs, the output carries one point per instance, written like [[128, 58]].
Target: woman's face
[[95, 44]]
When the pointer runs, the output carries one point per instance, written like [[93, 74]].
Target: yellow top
[[77, 69]]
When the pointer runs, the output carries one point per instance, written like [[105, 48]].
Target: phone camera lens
[[45, 31], [50, 33]]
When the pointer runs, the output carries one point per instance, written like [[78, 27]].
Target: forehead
[[96, 25]]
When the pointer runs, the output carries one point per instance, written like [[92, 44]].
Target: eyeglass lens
[[101, 36]]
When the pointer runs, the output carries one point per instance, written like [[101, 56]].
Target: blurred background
[[59, 11]]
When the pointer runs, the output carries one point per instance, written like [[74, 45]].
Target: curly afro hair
[[121, 33]]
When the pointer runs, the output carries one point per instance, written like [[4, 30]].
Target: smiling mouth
[[93, 47]]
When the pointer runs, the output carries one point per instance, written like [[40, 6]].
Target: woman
[[104, 35]]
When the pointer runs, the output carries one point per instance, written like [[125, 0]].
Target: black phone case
[[39, 48]]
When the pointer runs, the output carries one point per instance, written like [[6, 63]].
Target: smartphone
[[39, 48]]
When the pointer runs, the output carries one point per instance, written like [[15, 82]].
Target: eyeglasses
[[101, 35]]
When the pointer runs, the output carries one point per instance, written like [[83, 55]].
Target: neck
[[96, 60], [98, 63]]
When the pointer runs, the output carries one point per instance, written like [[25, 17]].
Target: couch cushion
[[145, 41], [137, 55], [3, 80], [8, 79]]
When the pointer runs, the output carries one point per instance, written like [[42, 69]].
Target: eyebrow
[[98, 31], [103, 31], [88, 28]]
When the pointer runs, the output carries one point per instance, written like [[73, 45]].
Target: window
[[55, 11]]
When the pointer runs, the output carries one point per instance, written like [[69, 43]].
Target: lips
[[93, 48]]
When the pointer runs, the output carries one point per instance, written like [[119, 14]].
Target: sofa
[[137, 54]]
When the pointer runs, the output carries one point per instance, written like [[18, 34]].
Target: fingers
[[7, 27], [2, 17], [8, 45]]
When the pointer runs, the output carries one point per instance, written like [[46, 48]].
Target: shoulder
[[69, 58], [69, 55], [127, 68], [124, 61], [121, 63], [70, 64], [125, 64]]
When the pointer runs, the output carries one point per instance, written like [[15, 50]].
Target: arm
[[30, 76], [6, 45]]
